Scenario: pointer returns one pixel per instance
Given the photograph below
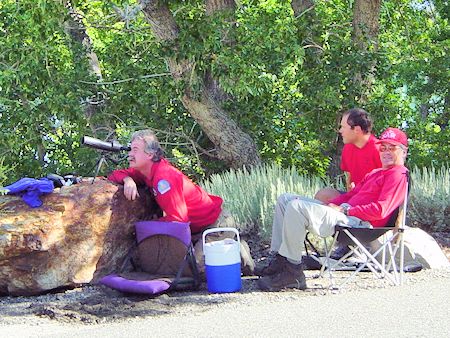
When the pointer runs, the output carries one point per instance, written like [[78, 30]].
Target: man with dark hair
[[180, 199], [369, 204], [360, 153]]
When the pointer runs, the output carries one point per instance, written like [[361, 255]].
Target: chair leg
[[397, 271], [388, 268], [327, 264], [373, 259], [402, 256]]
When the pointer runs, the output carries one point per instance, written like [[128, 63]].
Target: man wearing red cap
[[369, 204]]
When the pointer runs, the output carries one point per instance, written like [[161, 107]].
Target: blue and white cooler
[[222, 262]]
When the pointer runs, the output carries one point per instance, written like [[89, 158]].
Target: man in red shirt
[[180, 199], [370, 203], [360, 153]]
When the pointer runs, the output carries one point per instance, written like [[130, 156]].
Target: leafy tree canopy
[[286, 79]]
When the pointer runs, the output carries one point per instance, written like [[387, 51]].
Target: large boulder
[[420, 248], [79, 234]]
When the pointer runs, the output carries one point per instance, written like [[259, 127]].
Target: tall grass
[[429, 205], [251, 195]]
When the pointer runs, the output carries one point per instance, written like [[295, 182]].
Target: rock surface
[[420, 248], [78, 235]]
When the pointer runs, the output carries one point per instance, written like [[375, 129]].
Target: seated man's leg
[[300, 216], [278, 217], [277, 230]]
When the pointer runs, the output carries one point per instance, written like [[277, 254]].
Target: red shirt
[[179, 198], [377, 196], [360, 161]]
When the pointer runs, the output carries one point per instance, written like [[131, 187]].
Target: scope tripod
[[103, 160]]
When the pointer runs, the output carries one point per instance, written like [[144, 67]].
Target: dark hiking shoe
[[275, 265], [291, 276], [340, 252]]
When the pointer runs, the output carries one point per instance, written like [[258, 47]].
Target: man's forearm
[[348, 181]]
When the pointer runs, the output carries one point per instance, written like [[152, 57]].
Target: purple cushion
[[150, 287], [178, 230]]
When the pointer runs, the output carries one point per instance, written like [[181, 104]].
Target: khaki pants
[[295, 215], [225, 220]]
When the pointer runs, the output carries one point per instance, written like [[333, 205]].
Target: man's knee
[[285, 199], [325, 195]]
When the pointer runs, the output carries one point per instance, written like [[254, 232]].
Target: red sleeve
[[118, 176], [391, 196], [345, 197], [172, 201]]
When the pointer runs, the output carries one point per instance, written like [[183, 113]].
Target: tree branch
[[143, 77]]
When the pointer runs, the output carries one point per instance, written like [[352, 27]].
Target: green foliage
[[429, 206], [413, 75], [286, 80], [251, 195], [4, 172], [40, 92]]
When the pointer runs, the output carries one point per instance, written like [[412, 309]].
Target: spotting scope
[[103, 145]]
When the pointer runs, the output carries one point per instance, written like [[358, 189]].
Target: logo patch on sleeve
[[163, 186]]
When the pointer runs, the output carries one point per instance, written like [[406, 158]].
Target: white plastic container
[[222, 262]]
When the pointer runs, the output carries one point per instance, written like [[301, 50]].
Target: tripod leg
[[99, 164]]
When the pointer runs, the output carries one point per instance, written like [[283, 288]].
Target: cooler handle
[[208, 231]]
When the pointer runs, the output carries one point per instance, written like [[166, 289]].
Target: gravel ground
[[98, 311], [366, 306]]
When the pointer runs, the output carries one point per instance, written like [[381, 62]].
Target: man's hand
[[130, 189], [336, 207]]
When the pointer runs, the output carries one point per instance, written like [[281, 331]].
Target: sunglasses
[[390, 148]]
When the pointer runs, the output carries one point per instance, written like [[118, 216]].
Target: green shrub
[[251, 195], [3, 173], [429, 206]]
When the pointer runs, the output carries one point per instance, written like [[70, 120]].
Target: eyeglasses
[[389, 148]]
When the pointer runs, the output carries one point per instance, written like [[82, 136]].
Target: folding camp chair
[[382, 262]]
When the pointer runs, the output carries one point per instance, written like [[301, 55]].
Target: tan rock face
[[79, 234]]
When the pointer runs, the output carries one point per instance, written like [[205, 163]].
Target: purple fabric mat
[[151, 287]]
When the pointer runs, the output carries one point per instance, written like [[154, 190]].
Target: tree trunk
[[233, 145], [366, 23], [75, 28], [300, 6], [366, 26], [213, 6]]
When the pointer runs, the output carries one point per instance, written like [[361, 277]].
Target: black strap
[[311, 245], [189, 259]]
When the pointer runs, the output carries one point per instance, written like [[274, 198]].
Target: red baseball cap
[[394, 136]]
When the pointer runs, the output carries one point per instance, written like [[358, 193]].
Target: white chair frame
[[392, 243]]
